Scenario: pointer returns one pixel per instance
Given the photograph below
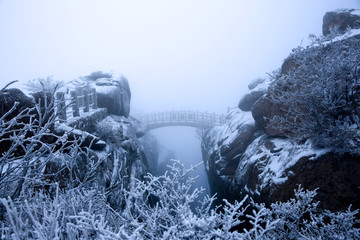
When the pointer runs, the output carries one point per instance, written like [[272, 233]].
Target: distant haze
[[188, 54]]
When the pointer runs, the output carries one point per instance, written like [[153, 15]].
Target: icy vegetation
[[293, 140], [35, 204], [298, 126], [323, 103], [159, 208]]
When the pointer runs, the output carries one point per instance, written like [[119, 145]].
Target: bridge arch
[[201, 120]]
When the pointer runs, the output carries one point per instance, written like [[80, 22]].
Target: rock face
[[222, 148], [252, 157], [342, 19], [249, 99], [257, 89], [114, 94], [112, 156], [96, 150], [8, 99], [271, 168]]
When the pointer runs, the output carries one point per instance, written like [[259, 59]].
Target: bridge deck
[[182, 118]]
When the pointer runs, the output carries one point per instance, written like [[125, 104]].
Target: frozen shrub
[[43, 84], [159, 208], [320, 94]]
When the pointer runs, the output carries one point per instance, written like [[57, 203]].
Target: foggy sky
[[186, 54]]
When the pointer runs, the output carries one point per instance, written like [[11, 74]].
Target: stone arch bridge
[[201, 120]]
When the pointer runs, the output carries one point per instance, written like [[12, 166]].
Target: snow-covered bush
[[24, 159], [110, 133], [320, 94], [43, 84], [35, 204], [160, 208], [300, 218]]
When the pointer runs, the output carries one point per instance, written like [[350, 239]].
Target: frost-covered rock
[[8, 97], [8, 111], [266, 161], [273, 104], [272, 165], [248, 100], [87, 121], [85, 139], [222, 147], [114, 94], [341, 19], [264, 110], [271, 168], [257, 88]]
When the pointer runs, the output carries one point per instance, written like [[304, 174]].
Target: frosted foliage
[[43, 84], [321, 95], [159, 208], [40, 205]]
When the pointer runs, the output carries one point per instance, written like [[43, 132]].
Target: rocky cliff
[[102, 149], [263, 150]]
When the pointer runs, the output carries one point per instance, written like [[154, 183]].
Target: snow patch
[[228, 132], [273, 156], [346, 35]]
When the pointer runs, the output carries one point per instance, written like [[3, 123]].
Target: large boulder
[[114, 94], [295, 70], [257, 88], [341, 19], [8, 97], [248, 100], [263, 111], [271, 168], [14, 105]]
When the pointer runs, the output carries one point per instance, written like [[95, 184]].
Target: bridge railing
[[75, 103], [183, 117]]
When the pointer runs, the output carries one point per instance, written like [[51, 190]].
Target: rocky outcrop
[[266, 163], [248, 100], [88, 121], [99, 149], [222, 148], [342, 20], [266, 108], [14, 105], [8, 97], [113, 157], [257, 88], [271, 168], [114, 95]]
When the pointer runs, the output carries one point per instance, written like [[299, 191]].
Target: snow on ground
[[348, 34]]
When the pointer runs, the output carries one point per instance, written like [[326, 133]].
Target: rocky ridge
[[259, 159], [112, 149]]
